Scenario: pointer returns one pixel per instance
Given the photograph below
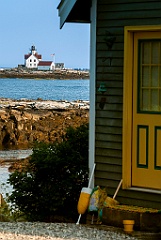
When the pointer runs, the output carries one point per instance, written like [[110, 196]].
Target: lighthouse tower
[[33, 50]]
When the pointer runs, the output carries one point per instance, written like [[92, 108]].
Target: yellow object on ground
[[84, 200], [111, 201]]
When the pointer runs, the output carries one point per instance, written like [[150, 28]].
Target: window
[[149, 75]]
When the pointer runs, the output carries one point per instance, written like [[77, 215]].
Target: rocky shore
[[22, 122], [55, 74]]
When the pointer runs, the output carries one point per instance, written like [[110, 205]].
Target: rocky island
[[36, 74], [23, 122]]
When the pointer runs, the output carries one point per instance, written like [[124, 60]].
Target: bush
[[51, 183]]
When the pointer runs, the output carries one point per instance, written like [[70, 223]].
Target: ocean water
[[45, 89]]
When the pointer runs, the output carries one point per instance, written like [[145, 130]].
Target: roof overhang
[[74, 11]]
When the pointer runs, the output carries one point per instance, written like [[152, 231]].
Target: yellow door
[[146, 125]]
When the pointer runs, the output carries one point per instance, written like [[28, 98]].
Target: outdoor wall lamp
[[102, 89]]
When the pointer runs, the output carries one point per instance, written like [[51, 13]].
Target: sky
[[36, 22]]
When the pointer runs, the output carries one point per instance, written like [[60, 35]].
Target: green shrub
[[51, 183]]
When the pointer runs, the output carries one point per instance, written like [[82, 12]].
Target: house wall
[[59, 65], [112, 16], [31, 62], [44, 68]]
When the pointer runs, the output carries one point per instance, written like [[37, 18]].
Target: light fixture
[[102, 88]]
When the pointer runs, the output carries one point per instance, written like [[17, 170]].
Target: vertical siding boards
[[112, 16]]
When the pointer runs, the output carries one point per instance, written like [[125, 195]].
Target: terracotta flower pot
[[128, 225]]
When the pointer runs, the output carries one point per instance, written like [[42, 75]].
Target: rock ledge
[[23, 122]]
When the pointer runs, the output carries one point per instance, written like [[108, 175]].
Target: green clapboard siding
[[112, 16], [109, 130]]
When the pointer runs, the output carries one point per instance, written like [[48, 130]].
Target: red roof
[[27, 56], [38, 56], [45, 63]]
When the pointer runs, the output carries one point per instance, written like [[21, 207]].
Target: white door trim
[[92, 87]]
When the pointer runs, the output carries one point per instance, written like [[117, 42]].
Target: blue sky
[[24, 23]]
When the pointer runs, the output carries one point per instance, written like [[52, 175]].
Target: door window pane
[[154, 76], [154, 100], [145, 76], [155, 52], [149, 85], [145, 100], [145, 53]]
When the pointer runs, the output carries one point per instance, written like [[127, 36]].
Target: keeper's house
[[125, 94], [46, 65]]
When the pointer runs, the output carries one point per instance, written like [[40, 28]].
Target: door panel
[[146, 130]]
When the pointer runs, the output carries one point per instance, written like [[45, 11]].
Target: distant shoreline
[[55, 74]]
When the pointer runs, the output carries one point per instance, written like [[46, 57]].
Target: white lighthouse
[[33, 58]]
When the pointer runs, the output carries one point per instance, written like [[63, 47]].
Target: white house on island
[[46, 65], [33, 60]]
